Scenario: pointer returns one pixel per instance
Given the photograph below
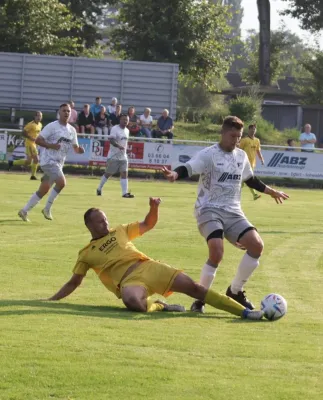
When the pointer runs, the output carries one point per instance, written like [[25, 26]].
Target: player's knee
[[256, 248]]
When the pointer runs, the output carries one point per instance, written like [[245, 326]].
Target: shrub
[[245, 107]]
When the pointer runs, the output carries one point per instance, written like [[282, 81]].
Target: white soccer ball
[[274, 306]]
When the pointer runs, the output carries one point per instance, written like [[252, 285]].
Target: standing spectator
[[146, 122], [115, 117], [113, 106], [165, 126], [96, 107], [291, 145], [102, 122], [307, 139], [251, 145], [134, 122], [73, 117], [86, 120]]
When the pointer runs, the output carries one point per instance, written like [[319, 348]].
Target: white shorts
[[233, 225], [51, 173], [115, 166]]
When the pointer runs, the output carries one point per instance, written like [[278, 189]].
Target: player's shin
[[34, 167], [245, 269], [35, 199], [224, 303], [52, 197], [207, 275], [124, 185]]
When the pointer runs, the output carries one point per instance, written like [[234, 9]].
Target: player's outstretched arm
[[258, 185], [68, 288], [152, 217], [179, 173]]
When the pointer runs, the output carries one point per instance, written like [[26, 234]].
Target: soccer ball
[[274, 306]]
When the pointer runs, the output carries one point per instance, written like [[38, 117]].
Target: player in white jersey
[[56, 138], [117, 159], [222, 169]]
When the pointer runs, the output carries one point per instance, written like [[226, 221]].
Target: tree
[[192, 34], [37, 26], [235, 19], [286, 52], [312, 88], [264, 41], [308, 12]]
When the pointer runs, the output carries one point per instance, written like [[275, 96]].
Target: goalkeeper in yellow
[[30, 133], [251, 145], [132, 275]]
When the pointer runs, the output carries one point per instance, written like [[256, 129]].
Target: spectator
[[146, 122], [73, 117], [291, 145], [96, 107], [134, 122], [164, 126], [86, 120], [113, 106], [102, 122], [307, 139], [115, 117]]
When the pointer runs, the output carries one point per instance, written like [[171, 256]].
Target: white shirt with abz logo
[[121, 136], [221, 177], [64, 135]]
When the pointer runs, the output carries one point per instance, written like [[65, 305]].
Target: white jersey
[[121, 137], [221, 177], [64, 135]]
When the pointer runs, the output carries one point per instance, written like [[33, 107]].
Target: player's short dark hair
[[232, 122], [64, 105], [252, 126], [88, 213]]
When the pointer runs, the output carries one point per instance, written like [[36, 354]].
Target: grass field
[[88, 346]]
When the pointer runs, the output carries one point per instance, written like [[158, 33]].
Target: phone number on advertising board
[[158, 158]]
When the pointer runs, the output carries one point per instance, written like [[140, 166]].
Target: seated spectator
[[113, 106], [134, 122], [115, 117], [102, 122], [291, 145], [164, 126], [146, 123], [73, 117], [96, 107], [86, 120]]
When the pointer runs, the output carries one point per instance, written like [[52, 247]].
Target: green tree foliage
[[308, 12], [312, 87], [287, 50], [37, 26], [192, 34], [235, 19]]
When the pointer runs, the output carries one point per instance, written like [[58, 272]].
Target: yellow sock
[[224, 303], [19, 162], [253, 192], [34, 169], [152, 306]]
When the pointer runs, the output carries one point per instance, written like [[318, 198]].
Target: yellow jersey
[[33, 130], [250, 146], [111, 256]]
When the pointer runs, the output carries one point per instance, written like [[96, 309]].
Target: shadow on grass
[[45, 307], [10, 221]]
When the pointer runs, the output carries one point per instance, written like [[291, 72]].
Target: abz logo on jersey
[[226, 176], [283, 161]]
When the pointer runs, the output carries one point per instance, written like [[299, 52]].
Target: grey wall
[[283, 116], [43, 82]]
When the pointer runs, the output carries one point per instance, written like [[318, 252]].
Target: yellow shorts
[[156, 277], [31, 149]]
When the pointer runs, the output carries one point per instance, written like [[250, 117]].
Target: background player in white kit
[[117, 160], [56, 138], [222, 169]]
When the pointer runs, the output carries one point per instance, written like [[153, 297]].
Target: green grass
[[88, 346]]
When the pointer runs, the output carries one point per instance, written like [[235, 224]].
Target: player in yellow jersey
[[251, 145], [30, 132], [132, 275]]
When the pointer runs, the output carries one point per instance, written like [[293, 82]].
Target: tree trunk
[[264, 41]]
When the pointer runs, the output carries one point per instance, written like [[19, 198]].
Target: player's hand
[[81, 150], [170, 175], [278, 196], [154, 201]]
